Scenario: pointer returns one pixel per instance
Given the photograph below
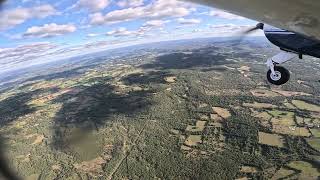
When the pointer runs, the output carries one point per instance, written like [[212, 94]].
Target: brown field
[[223, 92], [271, 139], [248, 169], [264, 93], [193, 140], [170, 79], [215, 117], [264, 117], [38, 140], [290, 93], [198, 127], [291, 130], [93, 167], [185, 148], [224, 113], [244, 70]]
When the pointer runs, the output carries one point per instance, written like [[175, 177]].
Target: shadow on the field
[[45, 76], [92, 108], [63, 74], [11, 109], [147, 78], [202, 58], [217, 69], [17, 105], [6, 172]]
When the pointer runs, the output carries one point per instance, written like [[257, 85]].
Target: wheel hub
[[276, 76]]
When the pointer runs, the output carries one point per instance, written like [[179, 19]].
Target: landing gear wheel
[[281, 77]]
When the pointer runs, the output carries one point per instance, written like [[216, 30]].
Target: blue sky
[[41, 27]]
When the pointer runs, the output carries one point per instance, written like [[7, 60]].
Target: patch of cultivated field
[[291, 130], [283, 123], [264, 118], [300, 120], [216, 117], [316, 115], [263, 115], [315, 132], [248, 169], [185, 148], [283, 118], [271, 139], [170, 79], [314, 142], [259, 105], [224, 113], [288, 105], [306, 106], [223, 92], [199, 127], [310, 122], [307, 170], [290, 93], [264, 93], [193, 140], [283, 173], [38, 139], [93, 167], [244, 70]]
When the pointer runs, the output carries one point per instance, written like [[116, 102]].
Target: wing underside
[[301, 16]]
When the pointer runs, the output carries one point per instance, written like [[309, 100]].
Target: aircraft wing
[[301, 16]]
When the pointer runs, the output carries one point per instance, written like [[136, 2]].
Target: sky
[[34, 31]]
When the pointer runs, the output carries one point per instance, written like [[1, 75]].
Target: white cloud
[[49, 30], [24, 54], [120, 32], [92, 5], [224, 15], [197, 30], [43, 11], [130, 3], [222, 26], [228, 27], [93, 35], [155, 10], [188, 21], [13, 17], [25, 49], [231, 29], [154, 23], [142, 31]]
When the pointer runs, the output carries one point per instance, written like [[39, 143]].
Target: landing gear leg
[[278, 75]]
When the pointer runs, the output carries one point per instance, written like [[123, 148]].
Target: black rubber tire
[[285, 76]]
